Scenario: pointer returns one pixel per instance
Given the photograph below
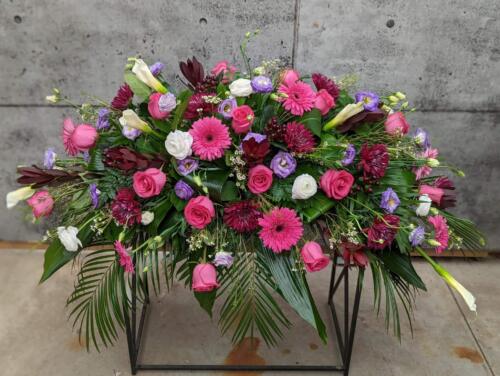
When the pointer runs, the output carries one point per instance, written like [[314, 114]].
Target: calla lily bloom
[[20, 194], [132, 120], [347, 112], [143, 73]]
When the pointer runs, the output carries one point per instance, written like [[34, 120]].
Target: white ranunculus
[[143, 73], [178, 144], [68, 238], [20, 194], [424, 206], [304, 186], [147, 217], [241, 87], [130, 119]]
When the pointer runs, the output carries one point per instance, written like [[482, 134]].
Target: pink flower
[[226, 69], [79, 138], [243, 118], [434, 193], [289, 77], [204, 278], [281, 229], [260, 179], [324, 102], [425, 170], [336, 184], [396, 124], [210, 138], [354, 253], [440, 231], [154, 107], [313, 257], [41, 204], [300, 97], [125, 259], [149, 183], [199, 212]]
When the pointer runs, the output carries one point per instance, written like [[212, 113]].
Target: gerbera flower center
[[279, 228]]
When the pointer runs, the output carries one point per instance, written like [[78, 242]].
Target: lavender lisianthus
[[349, 155], [421, 138], [256, 136], [262, 84], [370, 100], [49, 158], [102, 119], [167, 102], [94, 195], [390, 200], [183, 190], [156, 68], [130, 133], [283, 164], [187, 165], [223, 259], [417, 236], [226, 107]]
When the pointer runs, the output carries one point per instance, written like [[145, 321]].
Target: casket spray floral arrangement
[[228, 185]]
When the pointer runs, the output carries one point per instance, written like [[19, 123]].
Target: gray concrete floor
[[37, 339]]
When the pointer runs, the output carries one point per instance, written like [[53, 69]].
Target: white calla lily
[[20, 194], [143, 73], [348, 111], [130, 119]]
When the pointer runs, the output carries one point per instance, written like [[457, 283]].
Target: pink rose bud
[[435, 194], [324, 102], [154, 107], [78, 138], [336, 184], [41, 203], [149, 183], [396, 124], [289, 77], [313, 257], [199, 212], [204, 278], [243, 118], [223, 67], [260, 179]]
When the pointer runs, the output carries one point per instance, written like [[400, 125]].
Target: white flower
[[147, 217], [68, 238], [20, 194], [241, 87], [223, 259], [178, 144], [348, 111], [304, 187], [130, 119], [141, 70], [424, 206]]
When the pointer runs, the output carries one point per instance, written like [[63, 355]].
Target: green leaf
[[320, 204], [138, 87], [312, 120], [401, 265], [206, 300], [161, 209], [219, 188], [229, 191], [183, 97], [96, 163]]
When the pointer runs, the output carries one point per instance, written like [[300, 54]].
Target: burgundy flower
[[374, 160], [197, 107], [125, 159], [242, 216], [254, 152], [449, 199], [323, 82], [354, 254], [383, 231], [125, 209], [193, 71], [122, 98], [298, 138], [373, 116]]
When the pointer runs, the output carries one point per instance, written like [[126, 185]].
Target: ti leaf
[[206, 300], [319, 205], [312, 120]]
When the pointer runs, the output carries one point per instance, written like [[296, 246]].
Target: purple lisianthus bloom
[[370, 100], [223, 259], [421, 138], [262, 84], [167, 102], [283, 164], [131, 133], [156, 68], [102, 119], [187, 165], [49, 158], [183, 190], [226, 107], [349, 155], [417, 236], [390, 200], [94, 195], [256, 136]]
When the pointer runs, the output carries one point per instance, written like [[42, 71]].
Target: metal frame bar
[[345, 338]]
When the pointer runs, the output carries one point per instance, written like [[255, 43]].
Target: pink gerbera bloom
[[125, 259], [281, 229], [300, 97], [425, 170], [440, 231], [210, 138]]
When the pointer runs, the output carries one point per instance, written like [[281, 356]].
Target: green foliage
[[111, 182], [183, 97], [320, 204], [138, 87], [281, 190], [96, 163], [401, 265], [312, 120], [471, 238]]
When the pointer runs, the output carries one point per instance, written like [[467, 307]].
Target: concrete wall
[[444, 54]]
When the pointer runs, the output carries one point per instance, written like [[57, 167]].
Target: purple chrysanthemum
[[349, 155], [390, 200], [283, 164], [370, 100], [262, 84], [417, 236], [187, 165], [49, 158]]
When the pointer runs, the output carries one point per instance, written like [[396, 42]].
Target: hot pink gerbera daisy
[[281, 229], [299, 97], [125, 259], [425, 170], [440, 231], [210, 138]]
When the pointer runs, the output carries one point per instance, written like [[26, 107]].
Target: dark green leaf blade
[[401, 265]]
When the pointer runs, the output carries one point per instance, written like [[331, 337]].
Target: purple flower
[[417, 236], [370, 100], [94, 195], [223, 259], [421, 138], [187, 165], [156, 68], [262, 84], [130, 133], [183, 190], [49, 158], [283, 164], [102, 119], [226, 107], [349, 155], [86, 156], [390, 200], [167, 102], [256, 136]]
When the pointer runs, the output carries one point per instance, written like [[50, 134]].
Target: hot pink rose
[[243, 118], [260, 179], [78, 138], [289, 77], [313, 257], [396, 124], [336, 184], [154, 107], [41, 203], [199, 212], [226, 69], [324, 102], [204, 278], [434, 193], [149, 183]]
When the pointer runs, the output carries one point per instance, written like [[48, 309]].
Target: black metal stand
[[345, 337]]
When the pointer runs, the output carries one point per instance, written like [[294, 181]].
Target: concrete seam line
[[296, 25]]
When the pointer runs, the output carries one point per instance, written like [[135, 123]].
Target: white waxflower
[[147, 217], [68, 238], [424, 206], [178, 144], [241, 87], [20, 194], [304, 186], [143, 73], [130, 119]]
